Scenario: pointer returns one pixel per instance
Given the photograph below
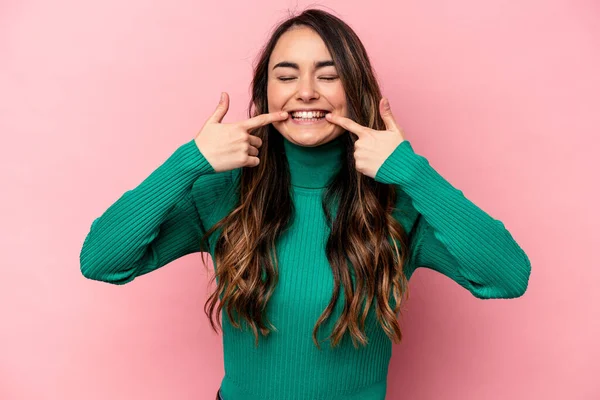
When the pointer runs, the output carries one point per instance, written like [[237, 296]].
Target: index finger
[[348, 124], [264, 119]]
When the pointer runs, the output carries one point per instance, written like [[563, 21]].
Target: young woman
[[316, 211]]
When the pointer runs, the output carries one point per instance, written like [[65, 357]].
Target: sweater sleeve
[[150, 225], [453, 235]]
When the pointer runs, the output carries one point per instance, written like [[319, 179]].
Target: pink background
[[500, 96]]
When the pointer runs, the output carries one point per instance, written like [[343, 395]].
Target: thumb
[[386, 114], [221, 108]]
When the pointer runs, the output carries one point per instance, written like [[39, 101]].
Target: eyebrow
[[318, 64]]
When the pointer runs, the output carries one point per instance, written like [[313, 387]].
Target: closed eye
[[326, 78]]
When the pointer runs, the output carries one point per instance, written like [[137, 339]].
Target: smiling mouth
[[308, 121], [315, 115]]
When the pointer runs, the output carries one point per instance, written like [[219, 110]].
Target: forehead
[[301, 45]]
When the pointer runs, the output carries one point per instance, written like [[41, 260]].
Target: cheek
[[275, 98], [338, 97]]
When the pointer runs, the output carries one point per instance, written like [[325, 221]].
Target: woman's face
[[303, 82]]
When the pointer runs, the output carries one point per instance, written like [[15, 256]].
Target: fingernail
[[222, 96], [283, 113], [386, 103]]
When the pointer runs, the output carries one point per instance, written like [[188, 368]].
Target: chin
[[310, 139], [306, 137]]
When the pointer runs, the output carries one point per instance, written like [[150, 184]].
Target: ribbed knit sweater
[[164, 217]]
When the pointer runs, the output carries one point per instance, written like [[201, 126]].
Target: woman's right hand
[[231, 146]]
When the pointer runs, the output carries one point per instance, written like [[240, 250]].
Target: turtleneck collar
[[312, 167]]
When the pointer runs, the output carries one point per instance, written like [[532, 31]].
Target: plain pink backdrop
[[502, 97]]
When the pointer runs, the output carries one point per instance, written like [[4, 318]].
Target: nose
[[306, 90]]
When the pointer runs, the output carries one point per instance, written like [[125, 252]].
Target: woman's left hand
[[373, 147]]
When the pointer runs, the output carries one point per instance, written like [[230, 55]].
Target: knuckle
[[244, 136]]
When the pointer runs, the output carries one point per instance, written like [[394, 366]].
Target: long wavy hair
[[363, 232]]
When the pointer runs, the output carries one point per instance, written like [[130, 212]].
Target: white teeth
[[308, 114]]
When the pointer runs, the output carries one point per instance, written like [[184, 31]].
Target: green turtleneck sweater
[[164, 217]]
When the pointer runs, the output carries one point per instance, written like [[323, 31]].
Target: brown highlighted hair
[[363, 232]]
